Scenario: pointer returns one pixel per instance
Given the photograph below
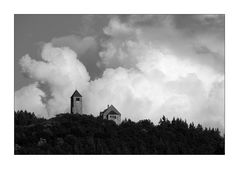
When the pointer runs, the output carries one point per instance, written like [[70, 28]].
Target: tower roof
[[76, 94]]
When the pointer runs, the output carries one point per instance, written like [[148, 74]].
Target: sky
[[146, 66]]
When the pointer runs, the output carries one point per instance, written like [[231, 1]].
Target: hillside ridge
[[86, 134]]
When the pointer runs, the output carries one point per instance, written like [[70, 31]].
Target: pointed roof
[[111, 110], [76, 94]]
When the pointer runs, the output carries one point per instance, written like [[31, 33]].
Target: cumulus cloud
[[76, 43], [142, 78], [198, 38], [121, 46], [86, 48], [61, 72], [153, 77], [184, 35], [161, 85], [30, 98]]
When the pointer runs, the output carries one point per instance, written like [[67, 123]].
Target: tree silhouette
[[83, 134]]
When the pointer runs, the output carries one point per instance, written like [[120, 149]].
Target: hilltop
[[86, 134]]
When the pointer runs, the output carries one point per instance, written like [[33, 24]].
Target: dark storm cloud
[[210, 57], [207, 34], [199, 23]]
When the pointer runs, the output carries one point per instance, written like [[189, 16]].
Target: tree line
[[86, 134]]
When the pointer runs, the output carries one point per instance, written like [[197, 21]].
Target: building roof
[[76, 94], [110, 110]]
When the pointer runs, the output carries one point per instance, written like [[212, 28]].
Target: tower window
[[77, 99]]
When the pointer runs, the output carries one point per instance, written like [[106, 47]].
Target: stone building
[[76, 103], [111, 113]]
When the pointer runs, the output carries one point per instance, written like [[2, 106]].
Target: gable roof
[[112, 112], [109, 110], [76, 94]]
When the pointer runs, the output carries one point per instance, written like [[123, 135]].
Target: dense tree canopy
[[85, 134]]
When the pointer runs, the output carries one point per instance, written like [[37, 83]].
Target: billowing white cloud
[[61, 72], [30, 98], [199, 38], [141, 79], [121, 47], [151, 80], [161, 85]]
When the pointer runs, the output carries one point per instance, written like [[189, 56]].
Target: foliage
[[84, 134], [25, 118]]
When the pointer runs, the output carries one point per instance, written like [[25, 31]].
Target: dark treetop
[[84, 134]]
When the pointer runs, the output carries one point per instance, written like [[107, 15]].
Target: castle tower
[[76, 103]]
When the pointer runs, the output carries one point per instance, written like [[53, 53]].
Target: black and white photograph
[[125, 84]]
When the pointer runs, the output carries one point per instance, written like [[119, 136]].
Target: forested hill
[[84, 134]]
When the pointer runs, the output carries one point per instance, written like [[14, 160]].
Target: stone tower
[[76, 103]]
